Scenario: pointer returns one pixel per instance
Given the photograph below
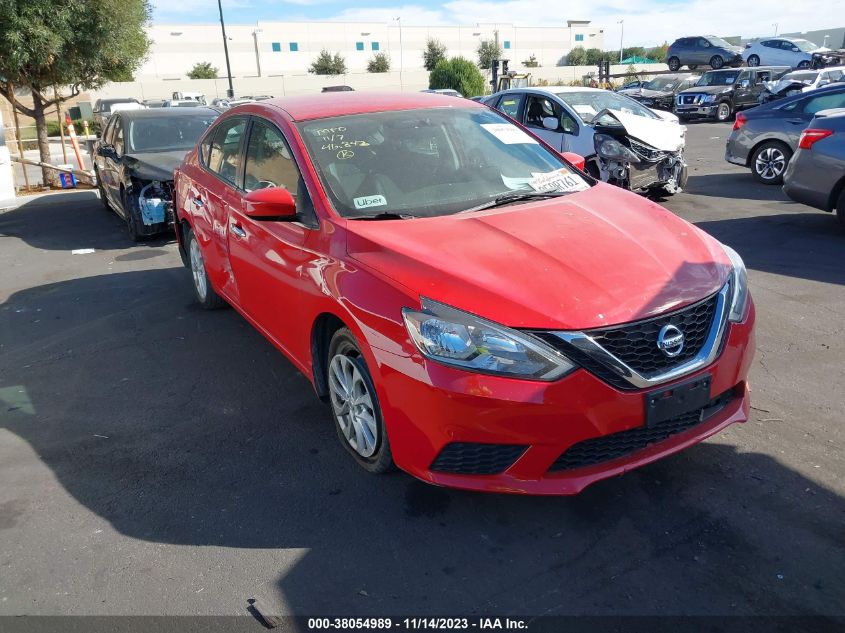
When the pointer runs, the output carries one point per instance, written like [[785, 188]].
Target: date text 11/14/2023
[[419, 623]]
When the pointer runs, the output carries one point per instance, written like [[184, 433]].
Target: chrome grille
[[649, 153]]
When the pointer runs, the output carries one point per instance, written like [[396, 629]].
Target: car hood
[[663, 133], [593, 258], [154, 165], [646, 93], [708, 90]]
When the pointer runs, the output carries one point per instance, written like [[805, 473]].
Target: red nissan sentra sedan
[[477, 310]]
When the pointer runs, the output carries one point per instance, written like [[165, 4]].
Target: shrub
[[380, 63], [202, 70], [328, 64], [434, 51], [577, 57], [458, 74]]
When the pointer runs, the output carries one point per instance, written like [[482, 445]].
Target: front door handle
[[237, 230]]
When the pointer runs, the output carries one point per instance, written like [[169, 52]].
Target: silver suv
[[702, 50]]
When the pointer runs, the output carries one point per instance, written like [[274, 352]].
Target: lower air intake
[[464, 458]]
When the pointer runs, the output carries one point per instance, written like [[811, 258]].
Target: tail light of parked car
[[810, 137], [740, 120]]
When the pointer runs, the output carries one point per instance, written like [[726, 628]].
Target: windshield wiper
[[516, 196], [385, 215]]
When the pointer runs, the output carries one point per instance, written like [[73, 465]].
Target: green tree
[[434, 51], [203, 70], [594, 56], [380, 63], [531, 62], [633, 51], [577, 57], [487, 51], [458, 74], [328, 64], [74, 44]]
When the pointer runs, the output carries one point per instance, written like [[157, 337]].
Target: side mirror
[[106, 151], [576, 160], [745, 83], [271, 203], [550, 123]]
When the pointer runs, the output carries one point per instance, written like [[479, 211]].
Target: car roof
[[329, 104], [164, 113]]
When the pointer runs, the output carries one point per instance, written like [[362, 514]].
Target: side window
[[268, 160], [763, 75], [703, 43], [538, 108], [107, 133], [743, 76], [205, 148], [117, 131], [787, 46], [509, 104], [767, 44], [224, 156], [824, 102]]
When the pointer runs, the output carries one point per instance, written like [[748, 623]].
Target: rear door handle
[[237, 230]]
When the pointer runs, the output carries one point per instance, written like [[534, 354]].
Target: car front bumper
[[429, 409], [697, 111]]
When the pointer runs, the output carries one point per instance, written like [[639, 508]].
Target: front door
[[269, 257], [539, 107]]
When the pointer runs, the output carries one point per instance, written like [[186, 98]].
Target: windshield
[[718, 41], [429, 162], [165, 134], [588, 103], [721, 78], [804, 45], [661, 83], [806, 76]]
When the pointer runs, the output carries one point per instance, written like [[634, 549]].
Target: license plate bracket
[[664, 404]]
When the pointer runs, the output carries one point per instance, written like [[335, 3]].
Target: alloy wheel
[[353, 405], [770, 163], [198, 270]]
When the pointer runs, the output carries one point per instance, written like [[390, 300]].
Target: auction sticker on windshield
[[507, 133], [559, 180]]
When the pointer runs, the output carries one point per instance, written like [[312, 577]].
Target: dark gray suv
[[702, 50]]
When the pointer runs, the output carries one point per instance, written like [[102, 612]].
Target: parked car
[[624, 143], [103, 108], [660, 92], [337, 89], [476, 310], [134, 161], [816, 174], [221, 103], [765, 138], [707, 50], [780, 51], [154, 103], [636, 83], [719, 94], [188, 103]]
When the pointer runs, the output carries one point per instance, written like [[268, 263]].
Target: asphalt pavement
[[159, 459]]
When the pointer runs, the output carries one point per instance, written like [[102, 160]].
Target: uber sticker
[[558, 180], [365, 202], [507, 133]]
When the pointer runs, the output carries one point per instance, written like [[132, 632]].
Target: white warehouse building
[[269, 49]]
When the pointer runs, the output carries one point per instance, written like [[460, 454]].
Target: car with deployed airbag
[[474, 308]]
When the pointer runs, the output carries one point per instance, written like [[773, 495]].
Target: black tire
[[803, 65], [346, 350], [840, 208], [204, 292], [769, 161], [723, 111], [132, 215], [674, 64], [102, 190], [716, 62], [753, 60]]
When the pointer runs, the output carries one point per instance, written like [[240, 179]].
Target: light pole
[[231, 91], [621, 37], [401, 54], [257, 56], [776, 28]]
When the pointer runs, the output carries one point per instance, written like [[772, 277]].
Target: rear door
[[212, 197], [798, 114], [269, 257], [112, 163]]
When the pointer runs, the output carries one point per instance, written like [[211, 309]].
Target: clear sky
[[646, 22]]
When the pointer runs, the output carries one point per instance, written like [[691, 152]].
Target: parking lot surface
[[159, 459]]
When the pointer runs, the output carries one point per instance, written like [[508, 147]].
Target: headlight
[[707, 98], [739, 286], [609, 147], [453, 337]]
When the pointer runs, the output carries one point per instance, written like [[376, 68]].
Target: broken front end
[[155, 205], [635, 164]]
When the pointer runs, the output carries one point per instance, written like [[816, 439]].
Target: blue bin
[[68, 181]]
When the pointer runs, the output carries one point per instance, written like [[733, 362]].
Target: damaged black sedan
[[134, 162]]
